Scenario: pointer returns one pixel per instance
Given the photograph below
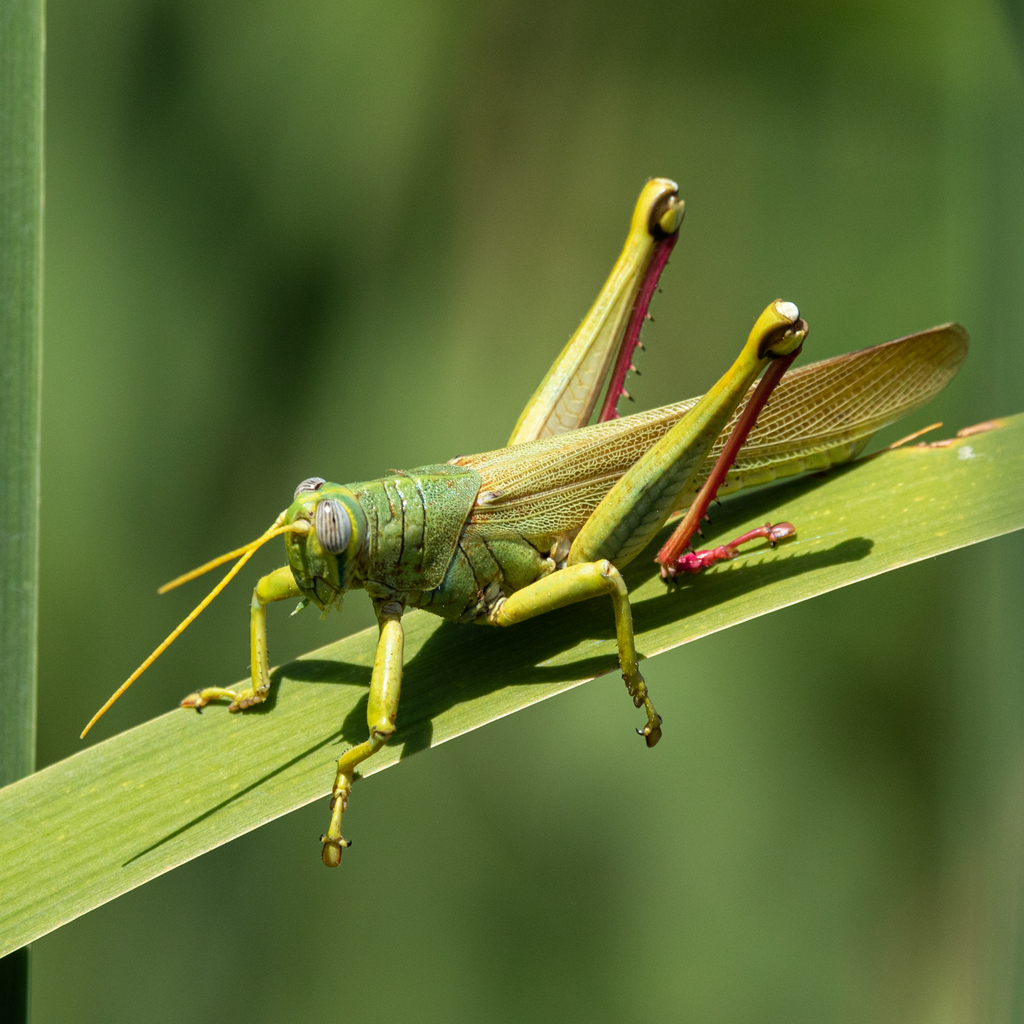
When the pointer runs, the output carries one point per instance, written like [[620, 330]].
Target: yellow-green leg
[[278, 586], [381, 712], [578, 583]]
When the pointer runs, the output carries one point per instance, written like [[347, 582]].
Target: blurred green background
[[310, 237]]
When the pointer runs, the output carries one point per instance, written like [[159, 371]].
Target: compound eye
[[314, 483], [333, 526]]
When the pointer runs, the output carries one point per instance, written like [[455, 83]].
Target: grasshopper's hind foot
[[697, 561]]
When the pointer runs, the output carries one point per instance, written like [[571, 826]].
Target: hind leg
[[568, 395]]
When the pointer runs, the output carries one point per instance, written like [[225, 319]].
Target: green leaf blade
[[118, 814]]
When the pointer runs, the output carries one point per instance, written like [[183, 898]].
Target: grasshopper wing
[[824, 414], [821, 415]]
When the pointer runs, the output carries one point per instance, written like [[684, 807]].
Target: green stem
[[21, 218]]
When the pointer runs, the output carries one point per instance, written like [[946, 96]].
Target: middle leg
[[381, 712], [579, 583]]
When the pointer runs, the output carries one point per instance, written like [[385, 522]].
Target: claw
[[200, 699], [651, 733]]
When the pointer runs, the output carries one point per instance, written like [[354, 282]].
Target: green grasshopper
[[551, 519]]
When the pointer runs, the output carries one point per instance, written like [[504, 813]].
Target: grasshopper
[[552, 518]]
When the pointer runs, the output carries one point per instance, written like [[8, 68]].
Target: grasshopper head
[[323, 559]]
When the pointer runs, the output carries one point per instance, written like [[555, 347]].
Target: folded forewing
[[820, 415]]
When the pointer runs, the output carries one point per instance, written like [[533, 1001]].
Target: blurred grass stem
[[21, 218]]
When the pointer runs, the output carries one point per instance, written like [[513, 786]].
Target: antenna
[[246, 552]]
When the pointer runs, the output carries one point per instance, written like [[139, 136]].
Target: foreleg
[[280, 585]]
